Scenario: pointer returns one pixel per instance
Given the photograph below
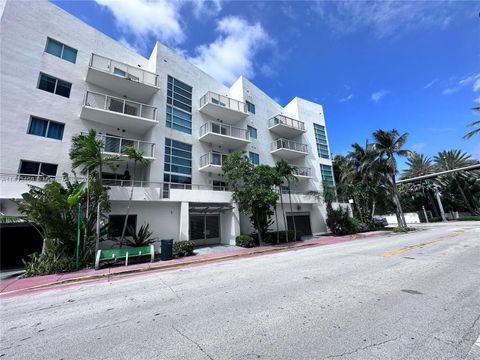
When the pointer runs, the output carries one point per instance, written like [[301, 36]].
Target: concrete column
[[230, 226], [184, 232]]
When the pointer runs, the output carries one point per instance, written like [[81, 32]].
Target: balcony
[[302, 173], [288, 149], [225, 135], [212, 162], [118, 112], [285, 126], [223, 107], [131, 81], [113, 145]]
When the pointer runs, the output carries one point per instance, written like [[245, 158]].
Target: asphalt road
[[414, 296]]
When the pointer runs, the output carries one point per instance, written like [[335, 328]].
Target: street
[[402, 296]]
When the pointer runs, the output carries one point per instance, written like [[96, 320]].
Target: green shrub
[[144, 236], [469, 218], [245, 241], [50, 262], [182, 248], [340, 222]]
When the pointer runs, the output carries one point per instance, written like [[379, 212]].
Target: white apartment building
[[60, 77]]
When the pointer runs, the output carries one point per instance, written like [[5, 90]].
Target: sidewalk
[[18, 286]]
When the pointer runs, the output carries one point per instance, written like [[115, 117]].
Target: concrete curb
[[169, 266]]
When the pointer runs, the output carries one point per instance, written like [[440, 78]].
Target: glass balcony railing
[[286, 121], [129, 72], [115, 145], [212, 158], [225, 130], [224, 101], [289, 145], [302, 171], [119, 105]]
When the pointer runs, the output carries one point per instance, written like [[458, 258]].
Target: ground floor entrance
[[205, 229], [302, 224]]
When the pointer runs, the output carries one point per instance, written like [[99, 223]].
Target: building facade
[[60, 77]]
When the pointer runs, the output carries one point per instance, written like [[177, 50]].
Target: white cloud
[[473, 79], [430, 83], [477, 100], [384, 18], [345, 99], [206, 8], [378, 95], [476, 84], [232, 53]]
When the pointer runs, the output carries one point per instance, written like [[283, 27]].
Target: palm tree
[[286, 171], [86, 153], [389, 144], [475, 123], [419, 165], [279, 170], [454, 159], [137, 157]]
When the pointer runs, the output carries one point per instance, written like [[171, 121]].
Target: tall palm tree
[[86, 153], [419, 165], [279, 169], [475, 123], [454, 159], [137, 157], [286, 171], [389, 145]]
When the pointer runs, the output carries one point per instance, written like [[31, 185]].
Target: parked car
[[380, 221]]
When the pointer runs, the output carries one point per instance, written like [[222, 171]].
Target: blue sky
[[413, 66]]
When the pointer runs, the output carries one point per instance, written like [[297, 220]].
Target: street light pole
[[439, 201]]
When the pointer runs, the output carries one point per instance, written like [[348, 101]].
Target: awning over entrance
[[209, 208]]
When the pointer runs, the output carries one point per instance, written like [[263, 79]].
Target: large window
[[178, 162], [54, 85], [115, 225], [45, 128], [254, 158], [321, 139], [37, 168], [63, 51], [179, 105], [252, 131], [327, 175], [250, 107]]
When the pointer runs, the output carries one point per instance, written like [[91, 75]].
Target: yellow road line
[[416, 246]]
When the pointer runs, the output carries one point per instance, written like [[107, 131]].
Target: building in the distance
[[60, 77]]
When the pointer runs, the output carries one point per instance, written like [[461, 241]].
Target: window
[[37, 168], [178, 162], [54, 85], [250, 107], [321, 139], [115, 225], [61, 50], [254, 158], [327, 175], [252, 131], [179, 105], [46, 128]]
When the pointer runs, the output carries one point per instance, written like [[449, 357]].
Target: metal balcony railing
[[289, 145], [115, 145], [212, 158], [119, 105], [129, 72], [302, 171], [286, 121], [226, 130], [225, 101]]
